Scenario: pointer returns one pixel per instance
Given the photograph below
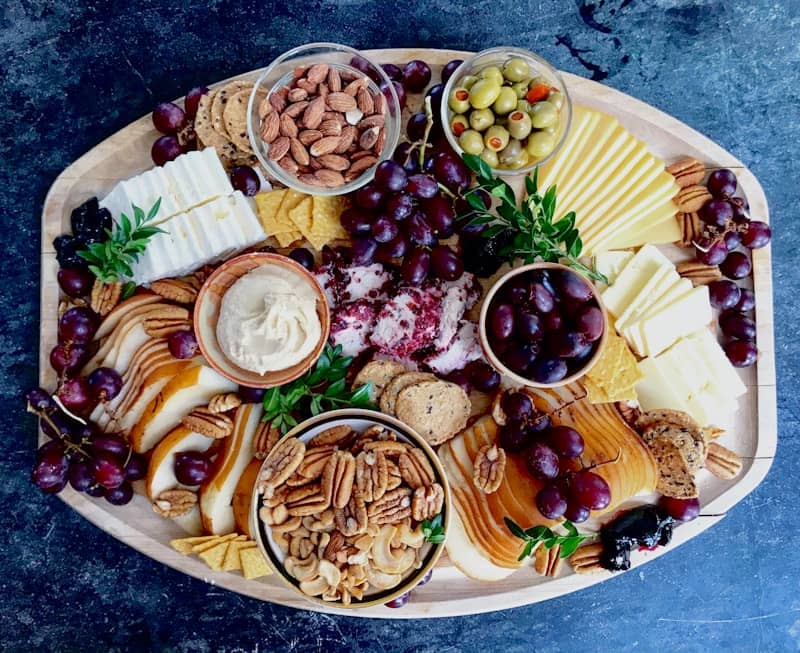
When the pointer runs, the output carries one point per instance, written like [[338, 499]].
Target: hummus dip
[[268, 320]]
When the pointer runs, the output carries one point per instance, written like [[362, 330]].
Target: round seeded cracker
[[437, 410], [220, 101], [206, 133], [379, 373], [399, 383], [234, 116]]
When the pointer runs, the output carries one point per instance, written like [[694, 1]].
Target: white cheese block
[[657, 389], [680, 288], [682, 317], [646, 262], [648, 296], [610, 264], [724, 374]]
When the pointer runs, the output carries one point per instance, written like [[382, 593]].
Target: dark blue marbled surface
[[74, 73]]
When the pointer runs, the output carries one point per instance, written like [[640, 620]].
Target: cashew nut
[[381, 580], [302, 570], [387, 560]]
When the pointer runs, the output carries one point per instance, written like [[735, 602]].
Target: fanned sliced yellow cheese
[[561, 167], [660, 226]]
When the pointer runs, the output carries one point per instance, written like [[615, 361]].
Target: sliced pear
[[191, 388], [243, 496], [122, 311], [161, 471], [216, 494]]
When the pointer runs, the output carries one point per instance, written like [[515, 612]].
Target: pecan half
[[692, 198], [691, 228], [627, 412], [586, 560], [338, 477], [722, 462], [352, 519], [489, 468], [394, 476], [339, 436], [174, 503], [315, 460], [265, 438], [204, 421], [698, 273], [547, 562], [687, 172], [175, 290], [105, 296], [306, 500], [224, 402], [427, 502], [415, 468], [392, 507], [390, 448], [372, 475], [166, 320], [281, 463]]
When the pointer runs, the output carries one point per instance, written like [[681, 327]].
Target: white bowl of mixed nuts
[[351, 508], [321, 117]]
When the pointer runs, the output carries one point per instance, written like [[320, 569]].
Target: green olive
[[520, 88], [459, 124], [492, 73], [519, 124], [538, 80], [471, 142], [483, 93], [524, 105], [481, 119], [459, 99], [516, 69], [540, 144], [506, 101], [556, 98], [520, 162], [495, 138], [490, 157], [468, 80], [510, 152], [544, 114]]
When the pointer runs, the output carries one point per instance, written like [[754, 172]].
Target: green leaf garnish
[[113, 259], [548, 538], [323, 388], [433, 530], [535, 234]]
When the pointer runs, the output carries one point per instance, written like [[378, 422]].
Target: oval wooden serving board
[[127, 153]]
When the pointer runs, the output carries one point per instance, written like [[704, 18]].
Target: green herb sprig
[[541, 534], [536, 236], [324, 388], [433, 530], [112, 260]]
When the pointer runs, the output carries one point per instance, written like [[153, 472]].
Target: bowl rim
[[498, 364], [291, 181], [266, 258], [551, 70], [258, 528]]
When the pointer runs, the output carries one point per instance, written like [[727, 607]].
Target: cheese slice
[[562, 171], [610, 264], [668, 324], [648, 296], [680, 288], [656, 389], [643, 265], [724, 374], [581, 118], [603, 141], [657, 227]]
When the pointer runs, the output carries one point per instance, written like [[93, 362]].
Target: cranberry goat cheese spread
[[268, 320]]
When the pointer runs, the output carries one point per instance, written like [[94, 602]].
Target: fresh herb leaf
[[128, 289], [112, 260], [433, 530], [547, 537]]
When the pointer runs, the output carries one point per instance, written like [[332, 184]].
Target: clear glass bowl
[[279, 74], [497, 57]]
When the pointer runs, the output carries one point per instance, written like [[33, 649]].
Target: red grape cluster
[[170, 120], [100, 464], [552, 454], [727, 227]]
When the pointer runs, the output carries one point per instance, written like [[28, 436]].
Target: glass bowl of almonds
[[321, 117], [351, 508]]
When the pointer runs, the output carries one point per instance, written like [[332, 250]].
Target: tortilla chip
[[300, 215], [210, 544], [184, 545], [615, 374], [232, 561], [214, 556], [253, 563]]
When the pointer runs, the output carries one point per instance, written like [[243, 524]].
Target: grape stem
[[67, 444], [427, 133], [600, 464]]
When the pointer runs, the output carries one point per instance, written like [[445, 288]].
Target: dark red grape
[[251, 395], [192, 100], [120, 495], [501, 321], [736, 265], [747, 301], [399, 91], [65, 359], [50, 470], [363, 250], [723, 294], [528, 324], [483, 376], [758, 235], [680, 509], [574, 286], [96, 491], [165, 148], [415, 128], [395, 248], [192, 467], [732, 240], [369, 197], [721, 183], [551, 502], [461, 379], [514, 437], [589, 489], [419, 231], [392, 72], [40, 399], [713, 253], [422, 186], [416, 266], [104, 383], [741, 353], [435, 93], [565, 441], [548, 370], [398, 602], [384, 229], [566, 344], [449, 68], [75, 394], [183, 344], [364, 66], [589, 321], [716, 212], [399, 207], [111, 444], [356, 221], [416, 75], [440, 214], [303, 256], [446, 264], [108, 470], [245, 179], [737, 325], [576, 513], [425, 579], [542, 461], [80, 475], [517, 406], [451, 171], [168, 118], [390, 176], [77, 326], [58, 425], [516, 290], [75, 282], [520, 357], [136, 469], [552, 321], [542, 299]]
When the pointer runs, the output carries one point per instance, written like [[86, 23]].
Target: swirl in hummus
[[268, 320]]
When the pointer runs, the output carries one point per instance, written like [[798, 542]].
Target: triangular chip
[[209, 544], [214, 556], [675, 479], [253, 563], [184, 545], [615, 374], [232, 561], [326, 212], [300, 215], [267, 205], [286, 238]]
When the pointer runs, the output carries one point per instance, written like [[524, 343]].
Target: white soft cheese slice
[[647, 262], [682, 317]]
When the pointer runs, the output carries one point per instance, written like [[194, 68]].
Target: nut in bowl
[[508, 106], [543, 325], [341, 504], [321, 117], [261, 320]]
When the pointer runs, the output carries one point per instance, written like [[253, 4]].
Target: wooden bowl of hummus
[[261, 320]]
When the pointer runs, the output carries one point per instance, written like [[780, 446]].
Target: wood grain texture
[[127, 153]]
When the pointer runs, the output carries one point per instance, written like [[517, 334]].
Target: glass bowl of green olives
[[508, 106]]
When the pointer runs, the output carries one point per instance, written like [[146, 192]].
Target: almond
[[334, 80], [358, 167], [311, 180], [289, 164], [322, 91], [334, 162], [312, 116], [692, 198], [347, 138], [308, 136], [297, 94], [330, 128], [355, 86], [264, 107], [306, 85], [371, 121], [270, 127], [368, 138], [278, 99], [329, 178], [299, 152], [364, 101], [341, 102], [317, 73], [325, 145], [278, 148], [294, 110], [379, 100], [378, 148], [288, 126]]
